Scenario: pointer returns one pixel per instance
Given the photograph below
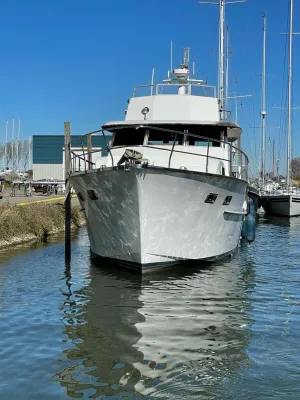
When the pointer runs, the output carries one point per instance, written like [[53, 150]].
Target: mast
[[227, 71], [289, 133], [5, 148], [263, 104], [13, 143], [221, 4], [273, 161], [18, 144], [221, 58]]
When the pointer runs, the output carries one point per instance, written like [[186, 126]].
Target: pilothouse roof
[[174, 102]]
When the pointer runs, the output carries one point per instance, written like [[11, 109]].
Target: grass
[[35, 221]]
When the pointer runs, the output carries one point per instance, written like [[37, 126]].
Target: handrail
[[108, 147], [194, 135], [170, 85], [207, 155], [82, 158], [175, 138], [81, 140], [173, 150]]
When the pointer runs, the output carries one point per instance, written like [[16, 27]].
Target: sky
[[78, 61]]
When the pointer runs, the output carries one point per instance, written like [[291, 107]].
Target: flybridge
[[178, 82], [177, 98]]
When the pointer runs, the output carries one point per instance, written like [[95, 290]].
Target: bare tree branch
[[295, 168], [25, 153]]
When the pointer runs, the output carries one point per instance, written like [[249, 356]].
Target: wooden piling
[[67, 191], [89, 149]]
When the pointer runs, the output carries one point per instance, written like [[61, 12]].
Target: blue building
[[48, 154]]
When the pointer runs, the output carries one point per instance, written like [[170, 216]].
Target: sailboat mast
[[227, 71], [221, 58], [263, 104], [289, 133], [273, 161], [5, 148], [222, 4]]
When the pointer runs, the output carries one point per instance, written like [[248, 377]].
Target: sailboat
[[284, 202], [173, 187]]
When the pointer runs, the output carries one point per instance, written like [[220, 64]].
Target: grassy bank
[[34, 221]]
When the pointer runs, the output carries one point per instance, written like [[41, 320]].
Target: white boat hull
[[156, 216], [282, 205]]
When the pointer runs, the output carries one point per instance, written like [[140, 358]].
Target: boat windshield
[[133, 136]]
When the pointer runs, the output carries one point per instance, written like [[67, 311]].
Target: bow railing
[[235, 158]]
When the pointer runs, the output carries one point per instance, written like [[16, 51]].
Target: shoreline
[[35, 222]]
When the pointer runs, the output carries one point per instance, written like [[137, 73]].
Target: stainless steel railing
[[172, 88], [236, 159]]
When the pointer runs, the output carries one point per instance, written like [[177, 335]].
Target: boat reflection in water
[[293, 223], [171, 333]]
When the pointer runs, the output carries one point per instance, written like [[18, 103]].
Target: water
[[226, 331]]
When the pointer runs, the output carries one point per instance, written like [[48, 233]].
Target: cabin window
[[129, 137], [194, 141], [135, 136], [211, 198], [92, 194], [202, 143], [157, 137]]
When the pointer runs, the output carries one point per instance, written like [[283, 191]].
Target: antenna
[[152, 81], [194, 66], [222, 4], [171, 61], [186, 57]]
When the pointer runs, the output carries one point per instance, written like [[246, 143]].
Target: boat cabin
[[178, 124]]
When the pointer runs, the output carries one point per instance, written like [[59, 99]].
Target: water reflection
[[169, 333], [279, 221]]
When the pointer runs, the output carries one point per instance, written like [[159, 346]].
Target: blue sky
[[79, 60]]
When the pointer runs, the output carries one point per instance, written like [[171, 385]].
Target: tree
[[25, 153], [16, 154], [2, 151], [295, 168], [9, 153]]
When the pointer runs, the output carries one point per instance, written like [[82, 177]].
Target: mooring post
[[67, 192], [89, 149]]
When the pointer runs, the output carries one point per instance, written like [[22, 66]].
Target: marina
[[149, 235]]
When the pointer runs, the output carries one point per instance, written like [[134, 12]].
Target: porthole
[[80, 197], [92, 194], [227, 200], [211, 198]]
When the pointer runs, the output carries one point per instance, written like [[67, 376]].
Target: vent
[[227, 200], [211, 198], [92, 194]]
